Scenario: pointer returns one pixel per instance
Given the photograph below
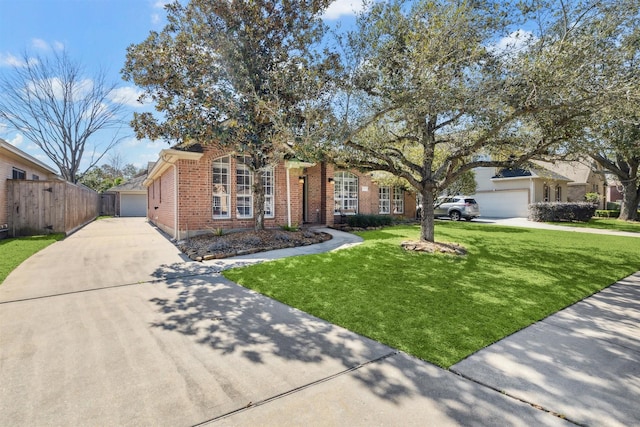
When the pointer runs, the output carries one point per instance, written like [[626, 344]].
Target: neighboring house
[[614, 191], [16, 164], [504, 193], [131, 197], [585, 178], [195, 189]]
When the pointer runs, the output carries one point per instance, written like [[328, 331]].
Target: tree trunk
[[427, 222], [630, 200], [258, 200]]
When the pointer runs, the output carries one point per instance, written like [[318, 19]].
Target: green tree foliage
[[431, 86], [612, 135], [247, 75], [615, 145], [104, 177]]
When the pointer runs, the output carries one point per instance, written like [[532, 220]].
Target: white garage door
[[503, 204], [133, 205]]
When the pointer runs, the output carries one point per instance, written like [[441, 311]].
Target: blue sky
[[96, 33]]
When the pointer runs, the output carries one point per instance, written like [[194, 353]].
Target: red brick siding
[[195, 188], [161, 201]]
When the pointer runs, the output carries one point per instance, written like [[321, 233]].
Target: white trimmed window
[[244, 191], [345, 193], [546, 193], [384, 200], [558, 193], [398, 200], [221, 188], [269, 191]]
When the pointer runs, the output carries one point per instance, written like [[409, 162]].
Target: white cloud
[[341, 8], [17, 140], [156, 18], [127, 95], [41, 44], [10, 60], [131, 142], [55, 86], [156, 145], [512, 43]]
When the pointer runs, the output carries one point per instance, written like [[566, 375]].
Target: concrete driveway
[[112, 326]]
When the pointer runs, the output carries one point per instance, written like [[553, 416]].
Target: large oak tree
[[433, 85]]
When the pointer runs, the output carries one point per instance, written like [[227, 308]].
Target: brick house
[[16, 164], [197, 189]]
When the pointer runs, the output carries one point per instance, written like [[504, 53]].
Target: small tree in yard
[[55, 106], [430, 88], [241, 74]]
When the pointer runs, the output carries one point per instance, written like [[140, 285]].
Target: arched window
[[345, 192], [221, 188]]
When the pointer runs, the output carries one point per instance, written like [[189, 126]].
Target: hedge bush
[[364, 221], [558, 211], [607, 213]]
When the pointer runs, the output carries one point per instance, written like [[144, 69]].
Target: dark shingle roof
[[134, 184]]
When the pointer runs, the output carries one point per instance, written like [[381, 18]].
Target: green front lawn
[[605, 224], [14, 251], [443, 308]]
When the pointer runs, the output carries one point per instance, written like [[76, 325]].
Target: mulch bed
[[209, 246], [437, 247]]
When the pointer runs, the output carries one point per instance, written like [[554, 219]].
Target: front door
[[305, 199]]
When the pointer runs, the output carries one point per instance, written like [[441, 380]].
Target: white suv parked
[[456, 207]]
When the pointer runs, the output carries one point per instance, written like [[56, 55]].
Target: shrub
[[592, 197], [293, 227], [557, 211], [607, 213], [364, 221]]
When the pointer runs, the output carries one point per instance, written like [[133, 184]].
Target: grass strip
[[14, 251], [605, 224]]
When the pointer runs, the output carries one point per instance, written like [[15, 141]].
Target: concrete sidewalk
[[113, 326]]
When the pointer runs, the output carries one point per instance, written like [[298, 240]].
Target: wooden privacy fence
[[40, 207], [108, 204]]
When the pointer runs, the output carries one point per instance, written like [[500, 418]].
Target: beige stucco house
[[504, 193], [586, 177], [16, 164]]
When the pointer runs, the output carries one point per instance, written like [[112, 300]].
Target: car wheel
[[454, 215]]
